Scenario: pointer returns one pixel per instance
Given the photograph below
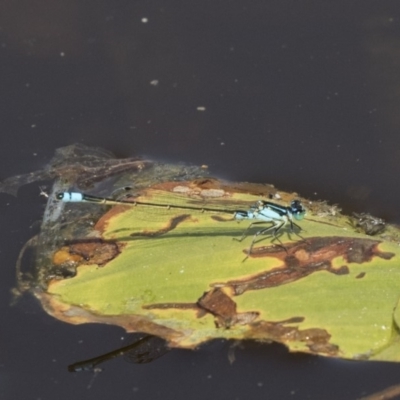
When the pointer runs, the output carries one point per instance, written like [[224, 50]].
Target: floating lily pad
[[178, 274]]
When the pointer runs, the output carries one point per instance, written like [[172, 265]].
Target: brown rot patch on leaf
[[357, 250], [223, 308], [86, 252], [316, 339], [172, 224], [303, 258], [214, 302], [95, 251]]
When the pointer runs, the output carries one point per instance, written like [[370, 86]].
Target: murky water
[[301, 95]]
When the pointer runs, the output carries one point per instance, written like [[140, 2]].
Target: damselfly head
[[297, 209]]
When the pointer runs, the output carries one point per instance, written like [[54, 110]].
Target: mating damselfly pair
[[261, 212]]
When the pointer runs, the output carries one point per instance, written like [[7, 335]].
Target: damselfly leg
[[276, 227], [279, 216]]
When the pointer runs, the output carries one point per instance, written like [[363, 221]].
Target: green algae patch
[[179, 274]]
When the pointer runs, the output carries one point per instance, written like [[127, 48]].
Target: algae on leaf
[[178, 273]]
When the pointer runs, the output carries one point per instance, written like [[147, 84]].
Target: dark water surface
[[301, 94]]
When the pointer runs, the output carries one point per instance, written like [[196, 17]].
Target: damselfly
[[262, 212], [279, 216]]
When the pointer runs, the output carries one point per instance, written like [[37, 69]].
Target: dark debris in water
[[79, 165], [368, 224]]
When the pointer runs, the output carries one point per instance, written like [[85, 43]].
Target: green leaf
[[178, 274]]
